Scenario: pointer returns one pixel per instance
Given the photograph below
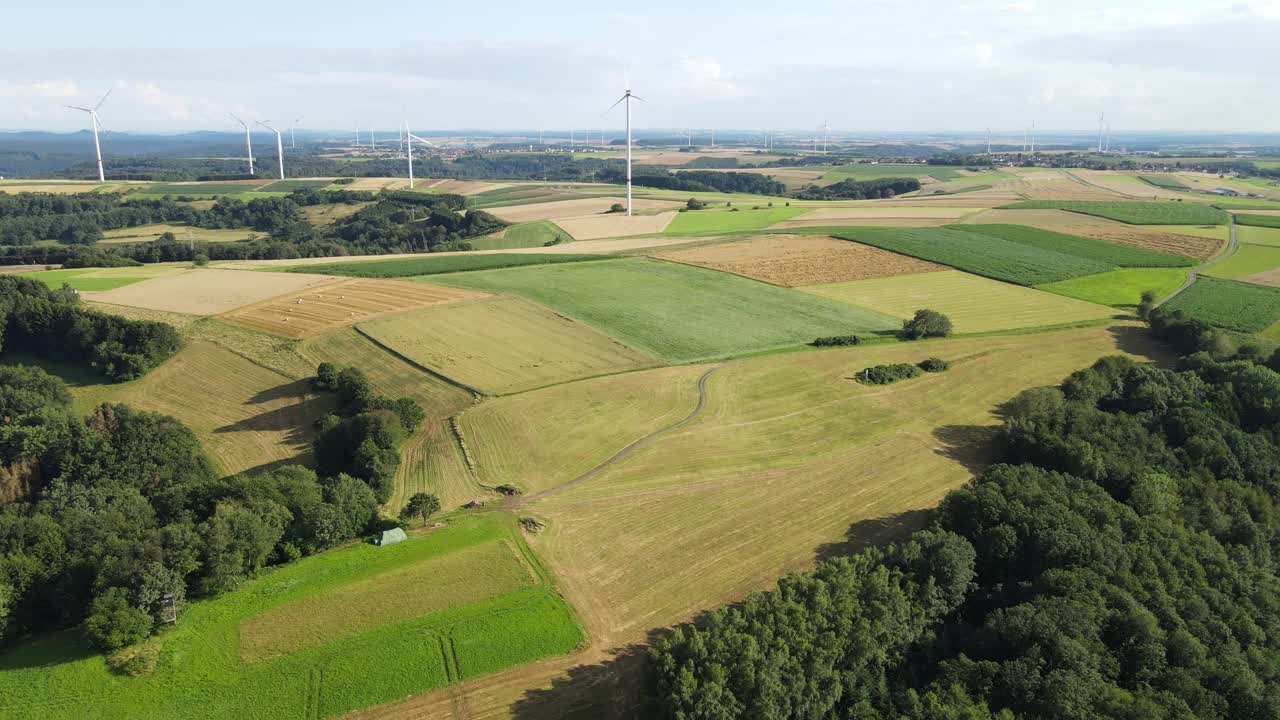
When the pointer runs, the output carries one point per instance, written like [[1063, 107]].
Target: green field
[[1267, 221], [291, 185], [678, 313], [1247, 260], [320, 637], [974, 304], [1258, 235], [206, 188], [979, 254], [98, 279], [875, 171], [1120, 288], [1124, 256], [1229, 304], [1134, 213], [1240, 203], [717, 220], [434, 265], [526, 235], [1167, 182]]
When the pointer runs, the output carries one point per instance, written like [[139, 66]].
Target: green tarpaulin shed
[[390, 537]]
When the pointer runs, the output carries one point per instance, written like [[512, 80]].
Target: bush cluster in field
[[836, 341], [893, 372]]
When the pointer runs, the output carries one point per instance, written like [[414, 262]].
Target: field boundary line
[[626, 451], [1194, 273], [444, 378]]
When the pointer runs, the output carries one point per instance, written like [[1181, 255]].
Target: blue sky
[[864, 65]]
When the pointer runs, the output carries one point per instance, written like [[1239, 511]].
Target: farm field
[[974, 304], [1112, 253], [676, 312], [102, 279], [1247, 260], [502, 345], [432, 461], [417, 265], [329, 214], [151, 233], [594, 227], [208, 188], [874, 171], [571, 208], [1258, 235], [1229, 304], [529, 235], [713, 221], [979, 254], [478, 619], [1171, 240], [1266, 221], [1168, 182], [314, 310], [208, 291], [876, 213], [1135, 213], [796, 260], [1120, 288], [511, 437]]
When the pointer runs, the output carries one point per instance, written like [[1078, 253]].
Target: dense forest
[[102, 516], [1119, 562], [850, 189]]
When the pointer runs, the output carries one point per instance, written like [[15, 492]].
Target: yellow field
[[149, 233], [245, 415], [503, 344], [208, 291], [592, 227], [797, 260], [315, 310], [545, 438], [432, 461], [974, 304]]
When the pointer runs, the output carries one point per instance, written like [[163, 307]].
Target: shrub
[[934, 364], [695, 204], [617, 208], [326, 377], [344, 181], [113, 623], [885, 374], [926, 323], [836, 341], [200, 260]]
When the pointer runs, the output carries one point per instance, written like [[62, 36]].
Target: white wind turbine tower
[[409, 137], [1033, 137], [279, 146], [248, 141], [373, 143], [988, 142], [826, 135], [627, 97], [93, 118], [1102, 120], [292, 140]]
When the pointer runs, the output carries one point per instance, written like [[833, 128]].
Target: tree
[[113, 623], [926, 323], [422, 505], [200, 260], [1147, 305], [695, 204]]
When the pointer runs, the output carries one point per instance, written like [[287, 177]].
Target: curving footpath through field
[[634, 445], [1232, 245]]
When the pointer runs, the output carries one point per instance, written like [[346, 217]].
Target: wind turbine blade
[[77, 107], [104, 99], [624, 97], [637, 97]]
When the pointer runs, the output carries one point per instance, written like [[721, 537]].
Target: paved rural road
[[624, 452], [1191, 276]]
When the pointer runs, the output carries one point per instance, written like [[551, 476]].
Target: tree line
[[1119, 562], [850, 189], [698, 181]]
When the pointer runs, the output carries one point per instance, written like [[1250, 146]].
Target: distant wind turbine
[[409, 137], [1102, 120], [93, 118], [248, 141], [279, 146], [1033, 137], [988, 142], [627, 97], [292, 140], [826, 135]]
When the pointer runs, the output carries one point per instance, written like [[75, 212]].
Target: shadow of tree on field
[[875, 531], [1137, 340], [973, 446], [612, 689], [295, 389]]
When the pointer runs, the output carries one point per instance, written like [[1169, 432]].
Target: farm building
[[389, 537]]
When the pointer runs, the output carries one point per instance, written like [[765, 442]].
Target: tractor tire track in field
[[634, 445], [1232, 246]]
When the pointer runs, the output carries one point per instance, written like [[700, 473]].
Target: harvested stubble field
[[502, 345], [573, 208], [594, 227], [974, 304], [1229, 304], [346, 302], [675, 312], [511, 437], [796, 260], [244, 414], [476, 620], [209, 291], [431, 459]]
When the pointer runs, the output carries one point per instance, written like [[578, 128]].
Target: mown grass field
[[151, 233], [789, 460], [503, 344], [1258, 235], [1100, 250], [676, 312], [1247, 260], [984, 255], [207, 188], [1266, 221], [527, 235], [354, 634], [1229, 304], [291, 185], [1168, 182], [1120, 288], [723, 220], [974, 304], [102, 279], [429, 265], [1134, 213]]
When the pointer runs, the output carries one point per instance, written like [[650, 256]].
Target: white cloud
[[985, 54], [1023, 7], [704, 77], [45, 89]]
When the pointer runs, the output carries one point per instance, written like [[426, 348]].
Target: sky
[[864, 66]]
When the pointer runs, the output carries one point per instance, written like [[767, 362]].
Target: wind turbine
[[1033, 137], [248, 141], [988, 142], [409, 137], [373, 143], [357, 135], [826, 135], [1102, 119], [293, 141], [279, 146], [93, 117], [627, 98]]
